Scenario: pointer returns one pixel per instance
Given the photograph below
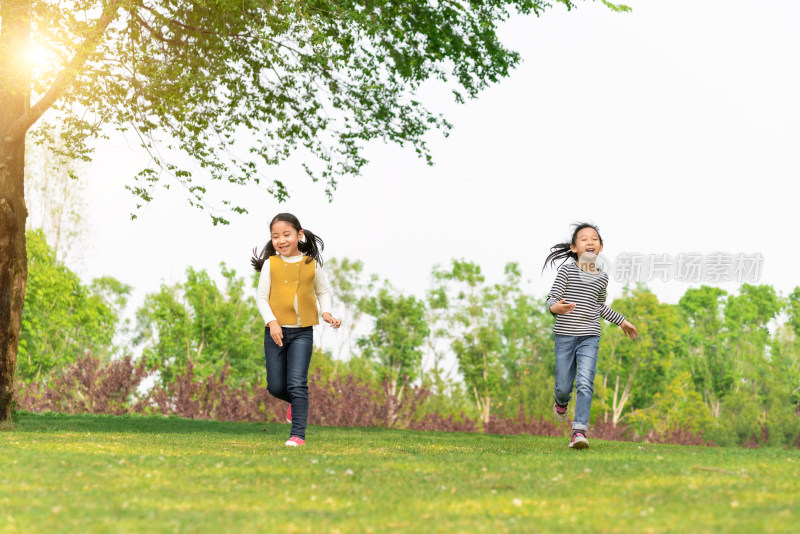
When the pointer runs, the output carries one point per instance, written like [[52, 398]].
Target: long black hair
[[562, 250], [311, 247]]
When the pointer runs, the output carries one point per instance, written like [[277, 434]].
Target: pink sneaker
[[289, 414], [579, 440], [294, 441], [560, 412]]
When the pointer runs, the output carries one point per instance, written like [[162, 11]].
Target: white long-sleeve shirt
[[322, 289]]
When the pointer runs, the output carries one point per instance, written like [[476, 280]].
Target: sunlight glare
[[40, 57]]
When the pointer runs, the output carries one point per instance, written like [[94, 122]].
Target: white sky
[[675, 128]]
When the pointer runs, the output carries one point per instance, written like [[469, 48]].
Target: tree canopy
[[321, 77]]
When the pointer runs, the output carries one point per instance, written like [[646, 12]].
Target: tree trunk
[[13, 266], [620, 400], [716, 406], [14, 102], [394, 397]]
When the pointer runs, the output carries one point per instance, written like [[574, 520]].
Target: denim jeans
[[576, 361], [287, 372]]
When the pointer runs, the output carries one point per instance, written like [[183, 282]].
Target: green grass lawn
[[148, 474]]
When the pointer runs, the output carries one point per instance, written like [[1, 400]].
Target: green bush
[[742, 416]]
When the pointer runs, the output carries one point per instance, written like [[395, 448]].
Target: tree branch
[[153, 32], [64, 78]]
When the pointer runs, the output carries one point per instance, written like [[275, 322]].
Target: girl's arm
[[613, 317], [322, 289], [607, 313], [262, 295], [555, 300]]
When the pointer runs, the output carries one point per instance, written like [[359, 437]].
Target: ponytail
[[312, 246], [562, 250], [257, 261], [559, 251]]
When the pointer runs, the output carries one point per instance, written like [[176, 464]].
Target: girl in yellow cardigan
[[291, 282]]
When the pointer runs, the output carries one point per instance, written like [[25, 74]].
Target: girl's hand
[[276, 333], [629, 329], [562, 307], [331, 320]]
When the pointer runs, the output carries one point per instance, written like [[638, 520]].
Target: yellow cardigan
[[287, 281]]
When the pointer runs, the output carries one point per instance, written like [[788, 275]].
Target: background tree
[[793, 309], [55, 200], [395, 342], [707, 361], [474, 313], [193, 76], [449, 394], [349, 284], [196, 321], [529, 362], [747, 316], [781, 388], [632, 372], [64, 318], [791, 341]]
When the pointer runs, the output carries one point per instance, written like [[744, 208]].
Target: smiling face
[[587, 245], [285, 239]]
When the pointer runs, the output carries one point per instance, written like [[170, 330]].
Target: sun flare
[[40, 58]]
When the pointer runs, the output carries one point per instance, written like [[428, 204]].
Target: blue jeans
[[287, 372], [576, 361]]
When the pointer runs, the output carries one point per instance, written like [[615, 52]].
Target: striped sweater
[[588, 292]]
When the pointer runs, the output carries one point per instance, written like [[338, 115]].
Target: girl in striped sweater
[[291, 283], [577, 300]]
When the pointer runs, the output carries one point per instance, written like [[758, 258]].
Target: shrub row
[[92, 386]]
